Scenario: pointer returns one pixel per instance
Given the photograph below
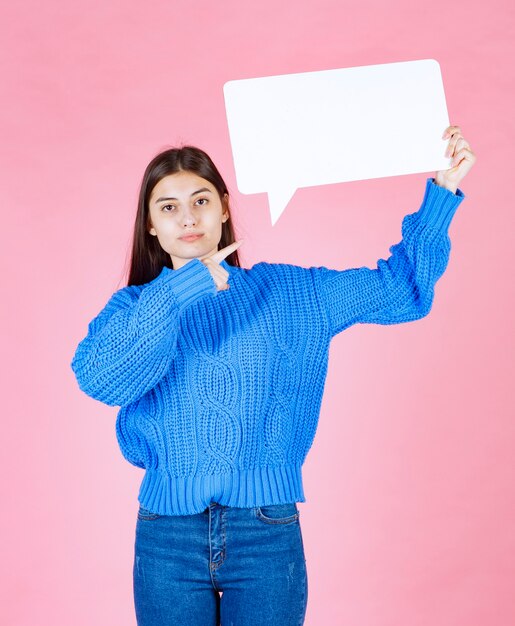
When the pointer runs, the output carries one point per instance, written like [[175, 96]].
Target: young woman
[[219, 372]]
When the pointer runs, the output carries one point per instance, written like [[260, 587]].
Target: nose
[[188, 218]]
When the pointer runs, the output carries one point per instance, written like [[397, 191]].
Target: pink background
[[410, 493]]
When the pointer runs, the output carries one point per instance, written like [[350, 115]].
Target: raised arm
[[401, 288], [132, 341]]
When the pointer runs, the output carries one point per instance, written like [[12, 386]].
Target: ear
[[225, 213], [151, 230]]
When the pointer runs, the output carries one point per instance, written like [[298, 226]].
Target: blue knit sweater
[[220, 391]]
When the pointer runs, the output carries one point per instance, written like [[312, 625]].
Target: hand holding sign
[[463, 159]]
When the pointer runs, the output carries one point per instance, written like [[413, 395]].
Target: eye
[[166, 206]]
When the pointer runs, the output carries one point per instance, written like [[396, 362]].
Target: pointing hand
[[220, 274]]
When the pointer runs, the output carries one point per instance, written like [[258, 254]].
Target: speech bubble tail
[[278, 199]]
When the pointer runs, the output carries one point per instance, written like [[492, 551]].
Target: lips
[[192, 237]]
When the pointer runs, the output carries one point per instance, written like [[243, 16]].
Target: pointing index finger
[[219, 255]]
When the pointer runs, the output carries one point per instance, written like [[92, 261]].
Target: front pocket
[[145, 514], [278, 513]]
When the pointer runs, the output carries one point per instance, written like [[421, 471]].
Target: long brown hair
[[148, 257]]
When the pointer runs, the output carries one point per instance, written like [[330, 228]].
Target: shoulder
[[275, 268], [284, 274], [124, 297], [131, 293], [282, 268]]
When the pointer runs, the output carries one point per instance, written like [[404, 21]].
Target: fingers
[[463, 158], [456, 146], [456, 143], [461, 154], [219, 255], [464, 154], [450, 130], [219, 274], [454, 133]]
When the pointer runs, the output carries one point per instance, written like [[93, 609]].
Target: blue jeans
[[226, 565]]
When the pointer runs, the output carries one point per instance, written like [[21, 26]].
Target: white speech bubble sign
[[317, 128]]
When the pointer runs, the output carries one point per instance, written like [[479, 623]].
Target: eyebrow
[[193, 194]]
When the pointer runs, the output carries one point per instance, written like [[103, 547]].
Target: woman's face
[[181, 204]]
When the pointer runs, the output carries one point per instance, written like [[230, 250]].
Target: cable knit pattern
[[220, 391]]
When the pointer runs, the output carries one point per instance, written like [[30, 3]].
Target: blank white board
[[316, 128]]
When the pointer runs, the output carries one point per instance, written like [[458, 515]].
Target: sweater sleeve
[[401, 288], [132, 341]]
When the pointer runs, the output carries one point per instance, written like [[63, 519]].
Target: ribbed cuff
[[439, 205], [189, 282]]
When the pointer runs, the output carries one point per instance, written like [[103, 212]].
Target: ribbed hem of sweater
[[439, 205], [168, 495], [189, 282]]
